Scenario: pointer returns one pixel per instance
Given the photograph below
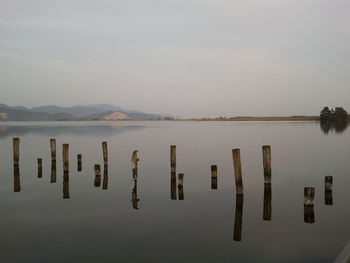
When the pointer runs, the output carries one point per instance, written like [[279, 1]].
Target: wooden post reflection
[[97, 182], [134, 198], [173, 186], [236, 155], [105, 153], [53, 160], [214, 177], [267, 163], [65, 158], [267, 202], [79, 162], [328, 190], [237, 231], [16, 174], [180, 187], [309, 195], [105, 178], [40, 168]]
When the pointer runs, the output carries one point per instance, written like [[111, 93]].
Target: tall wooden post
[[134, 164], [105, 153], [105, 178], [180, 187], [237, 230], [16, 173], [267, 202], [214, 177], [65, 156], [173, 158], [236, 155], [97, 182], [309, 195], [53, 160], [40, 168], [79, 164], [267, 163], [328, 190]]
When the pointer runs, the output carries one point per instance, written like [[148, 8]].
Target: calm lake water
[[102, 225]]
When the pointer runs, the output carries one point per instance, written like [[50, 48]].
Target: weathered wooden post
[[40, 168], [134, 198], [267, 202], [267, 163], [237, 230], [105, 153], [180, 187], [53, 160], [328, 190], [65, 156], [105, 178], [214, 177], [97, 182], [173, 159], [309, 195], [16, 174], [79, 164], [134, 162], [173, 186], [236, 155]]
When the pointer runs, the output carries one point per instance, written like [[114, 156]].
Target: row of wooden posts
[[177, 184]]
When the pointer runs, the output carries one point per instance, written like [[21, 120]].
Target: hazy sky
[[183, 57]]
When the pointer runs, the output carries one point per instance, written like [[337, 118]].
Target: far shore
[[250, 118]]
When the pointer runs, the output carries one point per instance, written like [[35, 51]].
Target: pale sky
[[189, 58]]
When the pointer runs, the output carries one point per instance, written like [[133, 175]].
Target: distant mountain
[[80, 112]]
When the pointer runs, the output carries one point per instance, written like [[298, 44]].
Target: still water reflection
[[91, 225]]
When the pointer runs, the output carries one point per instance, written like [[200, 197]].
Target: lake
[[139, 221]]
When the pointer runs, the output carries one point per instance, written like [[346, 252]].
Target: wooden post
[[180, 186], [309, 195], [134, 166], [79, 165], [53, 149], [328, 190], [173, 159], [267, 163], [214, 177], [16, 151], [237, 230], [53, 160], [267, 202], [97, 182], [134, 198], [16, 173], [40, 168], [105, 153], [65, 157], [173, 186], [236, 155]]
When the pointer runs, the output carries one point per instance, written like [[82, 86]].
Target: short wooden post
[[16, 173], [134, 198], [79, 164], [134, 164], [267, 202], [53, 149], [53, 160], [328, 190], [267, 163], [309, 195], [97, 182], [105, 178], [40, 168], [173, 159], [65, 156], [180, 186], [237, 230], [173, 186], [214, 177], [236, 155], [105, 153]]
